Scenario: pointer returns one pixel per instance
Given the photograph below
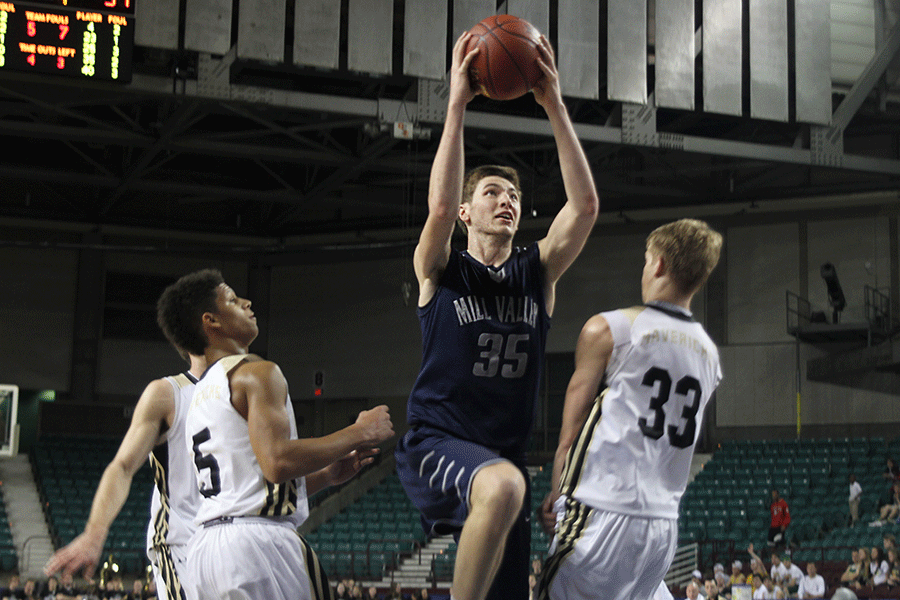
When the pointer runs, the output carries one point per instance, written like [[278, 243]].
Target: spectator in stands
[[396, 592], [893, 558], [780, 519], [891, 471], [48, 590], [778, 572], [863, 579], [812, 585], [722, 585], [852, 572], [843, 594], [712, 589], [67, 589], [692, 591], [737, 575], [888, 542], [372, 593], [29, 590], [137, 590], [879, 569], [757, 568], [12, 589], [766, 591], [855, 494], [697, 577], [340, 591], [891, 510], [794, 575]]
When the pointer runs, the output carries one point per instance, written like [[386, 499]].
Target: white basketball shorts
[[251, 559], [598, 554]]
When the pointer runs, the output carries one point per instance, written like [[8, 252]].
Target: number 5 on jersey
[[211, 486]]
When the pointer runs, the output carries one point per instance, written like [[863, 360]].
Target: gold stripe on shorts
[[578, 452], [571, 529], [317, 578], [166, 566]]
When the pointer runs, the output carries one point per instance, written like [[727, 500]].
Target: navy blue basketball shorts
[[436, 470]]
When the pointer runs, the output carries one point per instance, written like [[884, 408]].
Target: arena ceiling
[[268, 154]]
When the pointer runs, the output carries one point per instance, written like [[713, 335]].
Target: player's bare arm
[[341, 470], [155, 406], [595, 345], [574, 222], [259, 391], [445, 184]]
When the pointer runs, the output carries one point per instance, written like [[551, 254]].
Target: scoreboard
[[90, 39]]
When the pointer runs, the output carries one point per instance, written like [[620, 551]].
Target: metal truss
[[270, 158]]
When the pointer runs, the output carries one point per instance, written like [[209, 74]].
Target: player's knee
[[501, 488]]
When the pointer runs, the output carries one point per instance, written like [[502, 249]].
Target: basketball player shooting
[[620, 478], [485, 313]]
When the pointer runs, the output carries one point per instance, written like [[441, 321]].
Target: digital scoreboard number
[[90, 39]]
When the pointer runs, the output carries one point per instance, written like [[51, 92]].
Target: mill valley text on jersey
[[508, 309]]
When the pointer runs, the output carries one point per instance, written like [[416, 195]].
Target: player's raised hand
[[460, 84], [376, 425], [547, 88], [81, 553]]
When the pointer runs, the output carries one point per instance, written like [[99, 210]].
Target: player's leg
[[495, 501], [511, 581]]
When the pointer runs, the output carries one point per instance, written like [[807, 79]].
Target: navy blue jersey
[[483, 338]]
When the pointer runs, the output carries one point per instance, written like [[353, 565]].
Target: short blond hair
[[690, 249]]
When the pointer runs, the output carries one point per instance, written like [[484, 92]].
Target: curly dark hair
[[181, 305]]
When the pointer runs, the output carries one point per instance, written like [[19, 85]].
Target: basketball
[[506, 67]]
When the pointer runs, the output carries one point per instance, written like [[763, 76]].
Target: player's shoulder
[[255, 367]]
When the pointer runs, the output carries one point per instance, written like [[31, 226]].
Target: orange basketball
[[506, 67]]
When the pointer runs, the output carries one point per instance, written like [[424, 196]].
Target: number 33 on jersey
[[636, 458]]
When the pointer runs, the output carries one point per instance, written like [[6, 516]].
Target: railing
[[683, 564], [408, 547], [878, 309], [28, 548], [799, 311]]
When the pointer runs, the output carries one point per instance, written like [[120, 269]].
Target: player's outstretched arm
[[595, 345], [341, 470], [259, 392], [155, 404], [445, 184], [572, 225]]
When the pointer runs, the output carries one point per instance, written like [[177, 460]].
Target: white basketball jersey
[[175, 496], [230, 480], [636, 459]]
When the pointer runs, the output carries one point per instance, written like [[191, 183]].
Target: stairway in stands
[[29, 528]]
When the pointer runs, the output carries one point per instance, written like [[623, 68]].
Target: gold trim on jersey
[[161, 519], [632, 313], [281, 499], [578, 452], [574, 522], [166, 566], [318, 580], [181, 380]]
